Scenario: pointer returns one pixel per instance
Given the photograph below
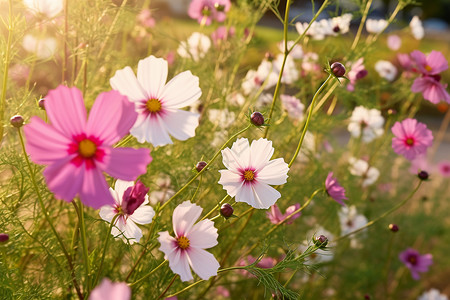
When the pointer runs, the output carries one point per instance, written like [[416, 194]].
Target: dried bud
[[4, 237], [257, 118], [133, 197], [226, 210], [423, 175], [320, 241], [338, 69], [200, 165], [393, 227], [41, 103], [16, 121]]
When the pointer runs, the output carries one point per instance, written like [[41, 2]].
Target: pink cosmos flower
[[431, 89], [444, 168], [77, 152], [275, 216], [358, 71], [405, 61], [157, 103], [205, 11], [415, 262], [334, 189], [222, 33], [131, 204], [250, 171], [187, 247], [394, 42], [411, 139], [145, 18], [111, 291], [431, 64], [293, 106]]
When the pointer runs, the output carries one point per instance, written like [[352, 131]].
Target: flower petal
[[181, 124], [260, 153], [167, 245], [126, 83], [127, 163], [143, 214], [153, 131], [95, 191], [184, 217], [231, 181], [265, 195], [107, 213], [120, 187], [64, 179], [182, 266], [275, 172], [203, 235], [132, 232], [202, 262], [183, 90], [245, 194], [152, 75]]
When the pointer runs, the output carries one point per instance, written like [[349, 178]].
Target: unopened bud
[[393, 227], [320, 241], [41, 103], [423, 175], [200, 165], [257, 118], [4, 237], [226, 210], [338, 69], [16, 121], [269, 56]]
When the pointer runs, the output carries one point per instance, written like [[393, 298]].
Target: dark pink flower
[[222, 33], [431, 64], [275, 216], [444, 168], [411, 139], [111, 290], [133, 197], [415, 262], [205, 11], [77, 151], [405, 61], [431, 89], [358, 71], [334, 189]]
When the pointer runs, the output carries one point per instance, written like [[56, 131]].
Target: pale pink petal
[[66, 111], [260, 153], [246, 194], [420, 59], [64, 179], [127, 163], [126, 83], [168, 245], [44, 143], [265, 195], [184, 217], [238, 157], [397, 130], [152, 75], [143, 214], [181, 124], [111, 291], [203, 235], [95, 191], [153, 131], [437, 62], [202, 262], [107, 213], [231, 181], [111, 117], [182, 267], [183, 90], [231, 161], [275, 172], [132, 232], [420, 84]]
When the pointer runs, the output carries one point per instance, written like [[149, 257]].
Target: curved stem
[[168, 287], [149, 274], [215, 207], [361, 25]]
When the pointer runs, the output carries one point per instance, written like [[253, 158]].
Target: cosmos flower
[[394, 42], [416, 262], [222, 33], [341, 24], [376, 26], [275, 216], [187, 247], [366, 123], [334, 189], [77, 152], [130, 202], [146, 19], [386, 70], [444, 168], [316, 31], [250, 172], [290, 72], [263, 75], [359, 167], [50, 8], [431, 64], [411, 139], [205, 11], [357, 71], [350, 220], [416, 28], [157, 103], [432, 294], [42, 47], [293, 106], [431, 89], [196, 46], [111, 290]]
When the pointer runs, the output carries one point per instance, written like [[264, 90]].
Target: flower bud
[[4, 237], [219, 7], [320, 241], [200, 165], [338, 69], [41, 103], [423, 175], [393, 227], [133, 197], [16, 121], [257, 118], [269, 56], [367, 297], [226, 210]]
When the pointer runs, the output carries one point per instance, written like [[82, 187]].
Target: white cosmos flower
[[367, 123], [50, 8], [293, 106], [124, 198], [386, 70], [263, 75], [316, 30], [432, 294], [376, 26], [188, 246], [195, 47], [42, 47], [290, 72], [359, 167], [320, 255], [350, 219], [157, 103], [416, 28], [250, 172], [341, 24]]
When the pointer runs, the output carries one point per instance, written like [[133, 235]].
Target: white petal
[[167, 244], [143, 214], [241, 149], [184, 217], [182, 267], [152, 75], [203, 235], [181, 124], [260, 153], [275, 172], [245, 194], [265, 195], [132, 232], [152, 131], [183, 90], [107, 213], [120, 187], [231, 181], [203, 263], [126, 83]]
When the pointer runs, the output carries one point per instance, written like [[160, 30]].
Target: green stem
[[85, 248], [149, 274], [168, 286], [215, 207], [361, 25]]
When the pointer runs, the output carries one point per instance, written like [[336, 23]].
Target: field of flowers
[[148, 155]]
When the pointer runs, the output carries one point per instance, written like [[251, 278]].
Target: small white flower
[[376, 26], [432, 294], [263, 75], [293, 106], [316, 31], [42, 47], [50, 8], [264, 100], [223, 117], [309, 62], [350, 219], [359, 167], [367, 123], [386, 70], [341, 24], [394, 42], [236, 99], [416, 28], [196, 46], [290, 72]]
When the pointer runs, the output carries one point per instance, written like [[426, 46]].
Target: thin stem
[[198, 187], [123, 141], [47, 217], [361, 25], [168, 287], [215, 207], [66, 30], [149, 274], [85, 247], [311, 107]]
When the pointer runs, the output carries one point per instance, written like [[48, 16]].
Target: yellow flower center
[[410, 141], [428, 68], [153, 105], [249, 175], [183, 242], [87, 148]]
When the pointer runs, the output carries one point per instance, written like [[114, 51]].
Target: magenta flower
[[411, 139], [222, 33], [358, 71], [334, 189], [431, 88], [405, 61], [444, 168], [275, 216], [188, 246], [109, 290], [431, 64], [205, 11], [77, 152], [415, 262]]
